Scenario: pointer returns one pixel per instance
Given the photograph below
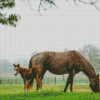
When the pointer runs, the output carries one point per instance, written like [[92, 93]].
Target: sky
[[70, 26]]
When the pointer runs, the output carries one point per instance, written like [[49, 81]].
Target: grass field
[[50, 92]]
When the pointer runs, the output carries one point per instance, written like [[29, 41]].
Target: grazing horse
[[70, 62], [28, 76]]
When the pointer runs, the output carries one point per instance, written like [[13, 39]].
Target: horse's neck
[[90, 73], [21, 70]]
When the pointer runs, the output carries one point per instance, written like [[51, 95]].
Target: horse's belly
[[59, 70]]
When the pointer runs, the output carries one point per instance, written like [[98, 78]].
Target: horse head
[[16, 68], [94, 84]]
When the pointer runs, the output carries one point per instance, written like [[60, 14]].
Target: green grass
[[50, 92], [52, 95], [11, 89]]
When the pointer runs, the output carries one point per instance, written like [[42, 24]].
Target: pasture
[[49, 92]]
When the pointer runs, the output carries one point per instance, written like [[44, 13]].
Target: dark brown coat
[[70, 62]]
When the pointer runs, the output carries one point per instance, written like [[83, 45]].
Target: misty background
[[90, 52]]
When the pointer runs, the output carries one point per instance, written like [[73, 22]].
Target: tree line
[[90, 52]]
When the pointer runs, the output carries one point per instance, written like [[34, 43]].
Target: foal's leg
[[37, 85], [39, 88], [42, 75], [27, 81], [25, 86], [40, 85], [30, 84], [70, 80], [38, 82]]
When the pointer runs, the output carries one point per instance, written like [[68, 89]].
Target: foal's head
[[16, 68], [94, 84]]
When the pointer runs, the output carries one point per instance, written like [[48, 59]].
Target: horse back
[[64, 61]]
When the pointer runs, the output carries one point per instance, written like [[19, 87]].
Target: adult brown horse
[[70, 62]]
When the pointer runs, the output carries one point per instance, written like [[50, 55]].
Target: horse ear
[[14, 65], [18, 64], [97, 77]]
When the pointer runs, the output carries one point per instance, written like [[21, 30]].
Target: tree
[[46, 4], [13, 18], [92, 54]]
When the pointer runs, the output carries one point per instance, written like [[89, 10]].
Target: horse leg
[[70, 80], [42, 75], [72, 74], [37, 86], [40, 85], [25, 85], [67, 83], [38, 82], [30, 84], [27, 81]]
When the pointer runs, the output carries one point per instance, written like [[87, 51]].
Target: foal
[[28, 76]]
